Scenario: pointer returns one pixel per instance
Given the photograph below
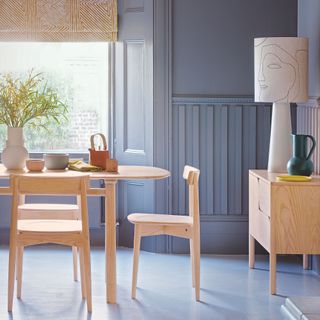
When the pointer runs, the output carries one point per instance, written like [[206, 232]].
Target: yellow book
[[294, 178]]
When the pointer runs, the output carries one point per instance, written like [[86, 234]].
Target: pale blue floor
[[229, 289]]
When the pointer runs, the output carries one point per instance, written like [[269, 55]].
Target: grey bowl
[[56, 161]]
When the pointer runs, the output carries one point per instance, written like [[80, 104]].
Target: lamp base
[[280, 148]]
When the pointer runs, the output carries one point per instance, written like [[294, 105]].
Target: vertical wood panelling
[[209, 159], [220, 153], [195, 138], [189, 130], [182, 156], [217, 163], [203, 159], [223, 153], [263, 121], [234, 159], [189, 146], [224, 140], [249, 127], [308, 119], [175, 161]]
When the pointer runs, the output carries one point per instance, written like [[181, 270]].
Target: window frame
[[110, 129]]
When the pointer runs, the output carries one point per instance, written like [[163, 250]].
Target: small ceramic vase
[[14, 155]]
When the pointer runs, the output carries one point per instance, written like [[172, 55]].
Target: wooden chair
[[46, 211], [146, 224], [26, 232]]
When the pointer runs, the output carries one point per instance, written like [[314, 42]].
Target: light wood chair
[[146, 224], [26, 232], [46, 211]]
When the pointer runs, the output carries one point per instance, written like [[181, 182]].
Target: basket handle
[[103, 138]]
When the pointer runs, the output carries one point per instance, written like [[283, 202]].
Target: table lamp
[[281, 77]]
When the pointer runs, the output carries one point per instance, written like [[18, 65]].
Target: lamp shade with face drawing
[[281, 77], [281, 69]]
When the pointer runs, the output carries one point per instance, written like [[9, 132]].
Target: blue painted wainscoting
[[224, 137]]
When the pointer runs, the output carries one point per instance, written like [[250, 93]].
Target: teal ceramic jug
[[300, 163]]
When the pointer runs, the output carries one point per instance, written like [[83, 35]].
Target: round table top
[[133, 173], [124, 173]]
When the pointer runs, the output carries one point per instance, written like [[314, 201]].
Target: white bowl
[[35, 164], [56, 161]]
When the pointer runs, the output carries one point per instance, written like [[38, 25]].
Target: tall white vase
[[14, 155]]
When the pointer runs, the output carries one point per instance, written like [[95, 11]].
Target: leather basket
[[99, 157]]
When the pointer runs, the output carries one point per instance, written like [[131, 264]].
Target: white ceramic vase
[[14, 155]]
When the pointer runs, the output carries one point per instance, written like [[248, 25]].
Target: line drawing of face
[[278, 73], [273, 67]]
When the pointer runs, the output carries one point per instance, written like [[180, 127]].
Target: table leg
[[273, 272], [110, 241], [251, 251]]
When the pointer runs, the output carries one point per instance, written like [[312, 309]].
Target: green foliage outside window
[[32, 103]]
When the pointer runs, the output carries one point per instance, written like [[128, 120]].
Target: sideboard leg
[[251, 251], [306, 264], [273, 271]]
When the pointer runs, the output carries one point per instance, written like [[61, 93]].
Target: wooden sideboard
[[284, 217]]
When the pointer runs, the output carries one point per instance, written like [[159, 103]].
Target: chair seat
[[49, 225], [164, 219]]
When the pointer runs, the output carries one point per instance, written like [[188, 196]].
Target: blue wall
[[215, 124], [212, 42]]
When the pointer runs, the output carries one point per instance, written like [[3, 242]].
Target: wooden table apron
[[109, 192]]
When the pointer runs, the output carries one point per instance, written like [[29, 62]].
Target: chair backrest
[[191, 175], [48, 210], [49, 185], [25, 184]]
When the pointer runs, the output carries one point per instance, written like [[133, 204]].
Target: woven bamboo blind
[[58, 20]]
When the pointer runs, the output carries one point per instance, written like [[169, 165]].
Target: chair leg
[[19, 270], [17, 264], [87, 268], [136, 252], [196, 263], [11, 273], [82, 274], [75, 263], [192, 262]]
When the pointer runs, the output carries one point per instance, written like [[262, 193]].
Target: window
[[79, 72]]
